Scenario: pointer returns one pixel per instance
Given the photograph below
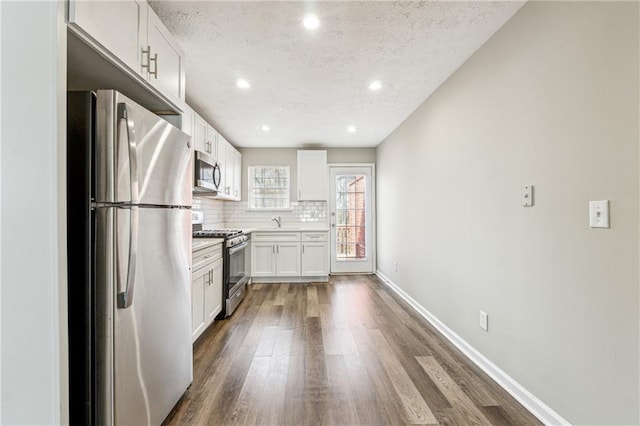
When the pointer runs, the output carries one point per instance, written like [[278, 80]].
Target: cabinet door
[[263, 259], [199, 281], [237, 176], [120, 27], [315, 259], [200, 134], [312, 175], [212, 142], [225, 160], [188, 122], [231, 165], [288, 264], [213, 293], [166, 72]]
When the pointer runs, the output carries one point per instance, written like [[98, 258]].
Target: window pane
[[350, 217], [269, 187]]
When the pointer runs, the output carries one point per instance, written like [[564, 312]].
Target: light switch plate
[[484, 321], [599, 214], [527, 196]]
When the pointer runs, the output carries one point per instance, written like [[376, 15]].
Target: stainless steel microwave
[[207, 174]]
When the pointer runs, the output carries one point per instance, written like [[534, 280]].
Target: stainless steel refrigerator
[[129, 255]]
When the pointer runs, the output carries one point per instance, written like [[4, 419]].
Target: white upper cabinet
[[199, 133], [99, 19], [188, 122], [165, 66], [206, 139], [230, 161], [312, 175], [237, 176], [132, 36], [223, 148]]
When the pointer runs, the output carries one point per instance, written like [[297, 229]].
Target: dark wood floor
[[347, 352]]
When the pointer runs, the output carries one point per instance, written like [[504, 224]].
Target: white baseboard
[[538, 408]]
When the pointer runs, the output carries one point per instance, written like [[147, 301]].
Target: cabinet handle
[[303, 248], [278, 250], [211, 277], [155, 61], [273, 248], [147, 52]]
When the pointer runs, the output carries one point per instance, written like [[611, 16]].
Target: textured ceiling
[[309, 86]]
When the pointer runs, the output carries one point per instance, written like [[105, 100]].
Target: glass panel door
[[350, 219]]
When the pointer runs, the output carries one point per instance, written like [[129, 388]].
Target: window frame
[[251, 187]]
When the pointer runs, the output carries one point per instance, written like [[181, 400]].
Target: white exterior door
[[351, 207]]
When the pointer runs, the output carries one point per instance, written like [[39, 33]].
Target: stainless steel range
[[233, 269]]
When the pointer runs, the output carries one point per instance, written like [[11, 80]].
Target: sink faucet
[[277, 220]]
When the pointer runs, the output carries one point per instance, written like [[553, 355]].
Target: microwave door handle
[[125, 289], [125, 113], [218, 173]]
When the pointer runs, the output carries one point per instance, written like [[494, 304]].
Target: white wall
[[551, 100], [32, 280], [289, 157]]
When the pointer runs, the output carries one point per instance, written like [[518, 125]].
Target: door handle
[[147, 52], [154, 73], [125, 114], [125, 295]]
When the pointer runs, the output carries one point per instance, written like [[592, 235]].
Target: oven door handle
[[238, 248]]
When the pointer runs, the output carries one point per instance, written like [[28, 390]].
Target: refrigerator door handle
[[125, 290], [124, 113]]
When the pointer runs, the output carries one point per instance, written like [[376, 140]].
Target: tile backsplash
[[303, 212], [224, 213], [213, 211]]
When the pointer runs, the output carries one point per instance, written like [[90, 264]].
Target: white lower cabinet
[[206, 289], [213, 293], [288, 259], [315, 259], [198, 283], [275, 259], [263, 259], [289, 255]]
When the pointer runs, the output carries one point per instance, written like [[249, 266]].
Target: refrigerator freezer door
[[140, 158], [152, 336]]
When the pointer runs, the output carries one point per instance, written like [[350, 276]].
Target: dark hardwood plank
[[415, 408], [347, 352], [463, 406]]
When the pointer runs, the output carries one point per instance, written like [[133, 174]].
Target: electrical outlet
[[484, 321], [395, 265]]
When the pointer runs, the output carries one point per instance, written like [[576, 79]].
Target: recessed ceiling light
[[351, 129], [265, 128], [311, 22], [375, 85], [242, 83]]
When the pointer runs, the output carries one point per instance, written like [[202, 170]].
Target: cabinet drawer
[[275, 236], [314, 236], [203, 257]]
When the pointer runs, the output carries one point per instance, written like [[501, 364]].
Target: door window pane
[[351, 217]]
